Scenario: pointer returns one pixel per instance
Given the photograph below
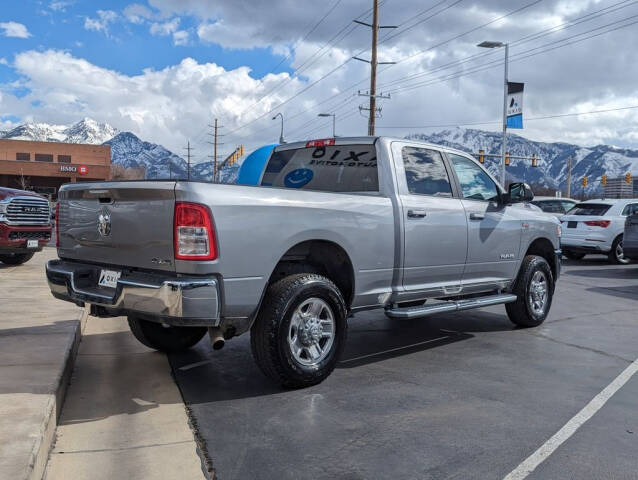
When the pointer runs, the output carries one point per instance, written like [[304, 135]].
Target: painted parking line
[[577, 421]]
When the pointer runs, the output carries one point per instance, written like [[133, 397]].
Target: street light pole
[[505, 87], [504, 149], [281, 135], [334, 121]]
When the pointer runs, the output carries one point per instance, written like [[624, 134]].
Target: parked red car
[[25, 225]]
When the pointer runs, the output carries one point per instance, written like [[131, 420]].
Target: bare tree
[[23, 181]]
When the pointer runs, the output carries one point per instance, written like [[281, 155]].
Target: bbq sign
[[79, 169]]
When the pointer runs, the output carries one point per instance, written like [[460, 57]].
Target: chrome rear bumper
[[188, 301]]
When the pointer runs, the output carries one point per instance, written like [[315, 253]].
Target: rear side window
[[425, 172], [335, 168], [592, 209]]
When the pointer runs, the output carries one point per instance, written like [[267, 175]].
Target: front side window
[[475, 183], [333, 168], [425, 172]]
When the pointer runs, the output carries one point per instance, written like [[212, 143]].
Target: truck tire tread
[[519, 312], [279, 302]]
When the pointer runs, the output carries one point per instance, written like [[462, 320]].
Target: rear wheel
[[534, 289], [617, 254], [574, 255], [16, 258], [165, 338], [300, 330]]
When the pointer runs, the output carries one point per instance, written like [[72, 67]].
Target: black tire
[[165, 339], [269, 335], [522, 311], [616, 254], [573, 255], [16, 258]]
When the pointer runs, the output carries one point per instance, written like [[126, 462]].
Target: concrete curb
[[43, 445]]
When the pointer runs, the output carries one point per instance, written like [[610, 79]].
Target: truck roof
[[365, 140]]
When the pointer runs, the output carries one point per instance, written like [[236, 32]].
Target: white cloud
[[165, 106], [59, 5], [165, 28], [180, 37], [100, 24], [14, 29], [3, 61], [138, 13]]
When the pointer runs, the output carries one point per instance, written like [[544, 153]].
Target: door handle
[[416, 213], [477, 216]]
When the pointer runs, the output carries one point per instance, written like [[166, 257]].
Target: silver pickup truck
[[335, 226]]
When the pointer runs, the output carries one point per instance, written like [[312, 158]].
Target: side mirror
[[519, 192]]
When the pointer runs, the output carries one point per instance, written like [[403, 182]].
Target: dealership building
[[45, 166]]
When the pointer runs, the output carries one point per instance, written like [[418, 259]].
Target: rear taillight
[[57, 224], [194, 232], [598, 223]]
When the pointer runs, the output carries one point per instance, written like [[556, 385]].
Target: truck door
[[435, 225], [494, 232]]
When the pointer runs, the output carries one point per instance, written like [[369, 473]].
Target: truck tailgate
[[118, 223]]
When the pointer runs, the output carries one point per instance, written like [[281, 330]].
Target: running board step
[[450, 306]]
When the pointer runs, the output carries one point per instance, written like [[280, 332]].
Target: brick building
[[44, 166]]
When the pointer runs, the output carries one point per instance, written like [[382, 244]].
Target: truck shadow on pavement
[[206, 376], [615, 273]]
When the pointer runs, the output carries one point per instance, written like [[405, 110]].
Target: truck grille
[[28, 211], [30, 236]]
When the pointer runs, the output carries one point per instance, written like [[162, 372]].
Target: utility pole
[[215, 143], [188, 156], [373, 66], [569, 176]]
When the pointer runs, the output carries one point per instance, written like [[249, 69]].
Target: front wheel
[[300, 330], [534, 289], [16, 258], [165, 338], [617, 254]]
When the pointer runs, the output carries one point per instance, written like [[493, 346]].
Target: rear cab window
[[330, 168], [590, 209], [425, 172]]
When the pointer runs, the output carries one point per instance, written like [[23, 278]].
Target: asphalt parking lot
[[449, 396]]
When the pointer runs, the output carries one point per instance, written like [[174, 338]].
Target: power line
[[527, 119]]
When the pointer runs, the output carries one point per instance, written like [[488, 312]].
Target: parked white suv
[[555, 206], [597, 226]]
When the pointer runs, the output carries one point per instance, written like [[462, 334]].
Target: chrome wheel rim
[[620, 253], [538, 293], [312, 331]]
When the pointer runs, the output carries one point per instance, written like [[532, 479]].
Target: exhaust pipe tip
[[216, 338]]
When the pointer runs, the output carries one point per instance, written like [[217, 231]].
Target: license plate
[[32, 244], [109, 278], [572, 224]]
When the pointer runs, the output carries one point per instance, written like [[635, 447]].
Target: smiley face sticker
[[298, 178]]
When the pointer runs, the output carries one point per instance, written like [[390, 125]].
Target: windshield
[[590, 209], [334, 168]]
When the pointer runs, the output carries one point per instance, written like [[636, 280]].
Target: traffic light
[[507, 158], [628, 177], [603, 180], [241, 150], [534, 161], [584, 181], [482, 156]]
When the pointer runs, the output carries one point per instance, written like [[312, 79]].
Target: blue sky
[[128, 47]]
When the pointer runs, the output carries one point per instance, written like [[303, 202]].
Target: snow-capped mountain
[[84, 131], [131, 152], [553, 157]]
